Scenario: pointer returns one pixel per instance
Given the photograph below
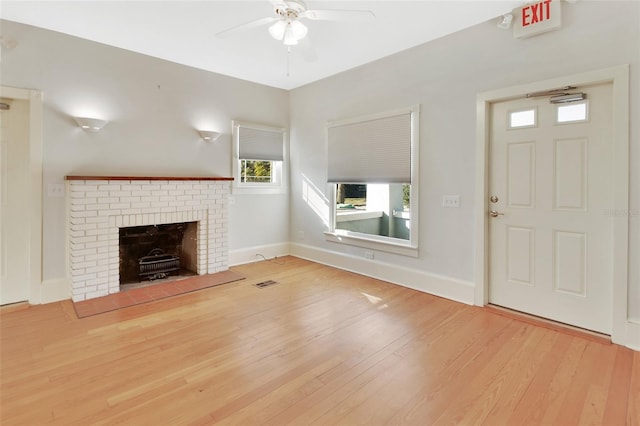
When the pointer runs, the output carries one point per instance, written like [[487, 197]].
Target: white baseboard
[[449, 288], [55, 290], [258, 253]]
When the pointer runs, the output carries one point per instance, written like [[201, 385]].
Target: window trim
[[377, 242], [279, 168]]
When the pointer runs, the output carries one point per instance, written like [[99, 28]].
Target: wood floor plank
[[362, 366], [509, 385], [595, 358], [423, 363], [540, 392], [553, 401], [617, 394], [321, 346], [633, 407]]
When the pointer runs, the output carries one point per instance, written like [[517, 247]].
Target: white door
[[551, 241], [14, 213]]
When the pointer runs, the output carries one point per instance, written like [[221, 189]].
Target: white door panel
[[550, 251], [14, 214]]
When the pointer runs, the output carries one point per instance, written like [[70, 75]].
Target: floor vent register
[[265, 284]]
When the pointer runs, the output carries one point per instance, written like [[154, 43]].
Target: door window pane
[[522, 118], [572, 112]]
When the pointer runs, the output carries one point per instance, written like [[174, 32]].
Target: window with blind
[[373, 170], [259, 158]]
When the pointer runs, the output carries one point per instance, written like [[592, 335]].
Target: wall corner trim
[[55, 290], [633, 335]]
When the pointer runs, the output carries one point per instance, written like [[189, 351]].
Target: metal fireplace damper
[[157, 264]]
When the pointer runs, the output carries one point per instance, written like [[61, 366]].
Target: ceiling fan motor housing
[[290, 9]]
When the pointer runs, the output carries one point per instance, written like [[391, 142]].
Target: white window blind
[[372, 151], [258, 144]]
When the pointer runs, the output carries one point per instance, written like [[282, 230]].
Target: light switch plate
[[451, 201], [55, 190]]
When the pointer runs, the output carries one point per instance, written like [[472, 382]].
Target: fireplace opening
[[157, 253]]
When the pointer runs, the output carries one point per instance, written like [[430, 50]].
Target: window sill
[[250, 189], [389, 245]]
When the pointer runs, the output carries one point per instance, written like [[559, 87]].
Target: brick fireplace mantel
[[99, 205]]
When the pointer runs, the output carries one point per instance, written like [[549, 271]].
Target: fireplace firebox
[[158, 264], [153, 252]]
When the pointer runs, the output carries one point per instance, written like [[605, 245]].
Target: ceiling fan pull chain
[[288, 58]]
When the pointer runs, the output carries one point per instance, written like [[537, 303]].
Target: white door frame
[[34, 97], [619, 76]]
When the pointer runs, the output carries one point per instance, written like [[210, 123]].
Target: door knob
[[494, 213]]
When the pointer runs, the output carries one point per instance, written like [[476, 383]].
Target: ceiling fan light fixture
[[294, 32], [298, 29], [289, 37], [278, 29]]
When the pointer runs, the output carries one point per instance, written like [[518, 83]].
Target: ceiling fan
[[286, 26]]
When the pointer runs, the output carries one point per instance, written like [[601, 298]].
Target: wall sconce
[[90, 124], [208, 135], [505, 21]]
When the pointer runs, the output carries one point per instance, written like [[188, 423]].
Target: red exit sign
[[537, 17]]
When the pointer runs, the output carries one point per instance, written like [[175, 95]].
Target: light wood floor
[[323, 346]]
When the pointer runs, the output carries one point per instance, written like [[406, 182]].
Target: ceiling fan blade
[[337, 15], [246, 26], [278, 4]]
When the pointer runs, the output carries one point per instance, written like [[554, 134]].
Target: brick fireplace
[[99, 206]]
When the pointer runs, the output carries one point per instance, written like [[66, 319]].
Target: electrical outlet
[[368, 254], [451, 201], [55, 190], [301, 235], [232, 200]]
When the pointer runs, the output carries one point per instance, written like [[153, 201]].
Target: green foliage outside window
[[256, 171], [406, 195]]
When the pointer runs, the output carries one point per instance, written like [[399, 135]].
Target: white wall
[[444, 77], [153, 107]]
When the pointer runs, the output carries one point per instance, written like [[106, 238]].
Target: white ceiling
[[185, 32]]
